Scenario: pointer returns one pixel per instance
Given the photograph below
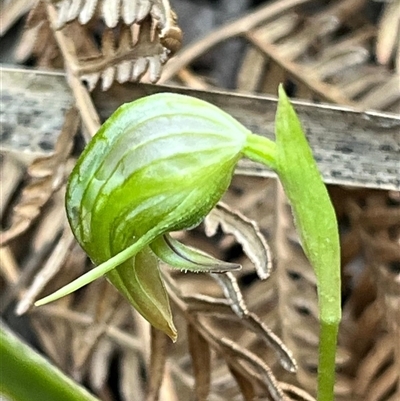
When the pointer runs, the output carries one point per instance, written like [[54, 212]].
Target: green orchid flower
[[160, 164]]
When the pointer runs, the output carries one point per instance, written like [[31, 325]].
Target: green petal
[[139, 280], [180, 256]]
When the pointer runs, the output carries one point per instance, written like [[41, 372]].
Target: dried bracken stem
[[84, 103]]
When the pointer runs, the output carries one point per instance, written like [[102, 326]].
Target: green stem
[[27, 376], [326, 359], [261, 150]]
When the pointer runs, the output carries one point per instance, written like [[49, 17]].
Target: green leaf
[[27, 376], [316, 223]]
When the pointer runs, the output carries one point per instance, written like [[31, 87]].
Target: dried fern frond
[[37, 40], [209, 314], [327, 53], [112, 11], [380, 233], [136, 37], [46, 175]]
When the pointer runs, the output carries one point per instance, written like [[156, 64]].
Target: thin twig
[[90, 118]]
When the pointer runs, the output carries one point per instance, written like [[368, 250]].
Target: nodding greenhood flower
[[160, 164]]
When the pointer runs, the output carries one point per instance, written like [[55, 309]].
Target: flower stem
[[326, 359], [261, 150]]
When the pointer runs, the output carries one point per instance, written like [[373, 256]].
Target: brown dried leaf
[[373, 368], [158, 358], [201, 362], [247, 234], [113, 11], [46, 175], [245, 384], [128, 12]]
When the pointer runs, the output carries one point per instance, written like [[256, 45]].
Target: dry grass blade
[[245, 384], [99, 363], [387, 43], [104, 303], [9, 270], [9, 181], [158, 359], [201, 361], [247, 234], [79, 319], [131, 383], [49, 270], [11, 11], [46, 175]]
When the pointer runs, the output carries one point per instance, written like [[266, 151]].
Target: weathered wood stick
[[352, 147]]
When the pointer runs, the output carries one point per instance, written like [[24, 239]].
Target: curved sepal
[[180, 256], [139, 280]]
